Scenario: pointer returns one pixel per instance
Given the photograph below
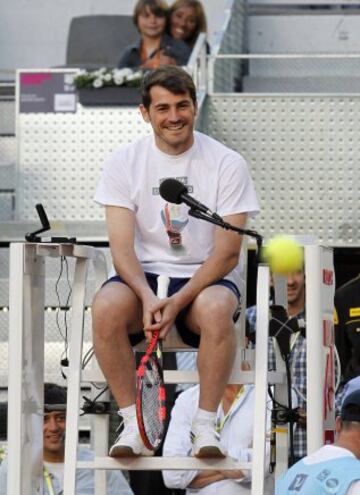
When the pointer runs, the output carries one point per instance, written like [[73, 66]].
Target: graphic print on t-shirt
[[298, 482], [175, 219]]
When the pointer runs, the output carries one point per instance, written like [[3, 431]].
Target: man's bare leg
[[117, 312], [211, 315]]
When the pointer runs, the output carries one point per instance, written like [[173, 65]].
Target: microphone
[[174, 191]]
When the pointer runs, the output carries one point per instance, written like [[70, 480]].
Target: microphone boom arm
[[193, 212]]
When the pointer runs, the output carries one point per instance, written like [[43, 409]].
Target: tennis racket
[[150, 389]]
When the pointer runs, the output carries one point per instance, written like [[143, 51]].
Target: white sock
[[203, 416], [128, 412]]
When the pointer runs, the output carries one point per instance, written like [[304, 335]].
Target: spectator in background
[[155, 47], [295, 300], [234, 426], [347, 328], [347, 389], [297, 357], [54, 451], [333, 468], [3, 430], [187, 20]]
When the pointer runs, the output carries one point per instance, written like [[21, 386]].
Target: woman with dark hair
[[187, 20], [155, 47]]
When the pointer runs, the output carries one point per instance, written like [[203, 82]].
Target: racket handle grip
[[163, 284]]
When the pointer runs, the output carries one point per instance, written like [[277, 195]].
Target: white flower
[[133, 77], [121, 73], [119, 81], [106, 77], [125, 72], [97, 83], [99, 72]]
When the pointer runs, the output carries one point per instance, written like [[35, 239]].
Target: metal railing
[[196, 67]]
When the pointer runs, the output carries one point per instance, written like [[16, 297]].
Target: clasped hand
[[159, 314], [233, 474]]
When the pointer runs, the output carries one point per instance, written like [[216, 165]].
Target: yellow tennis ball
[[284, 255]]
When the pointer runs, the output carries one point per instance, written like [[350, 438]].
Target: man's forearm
[[206, 478], [122, 249], [130, 270], [213, 269], [223, 259]]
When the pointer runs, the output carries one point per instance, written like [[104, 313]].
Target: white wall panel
[[61, 157], [303, 154], [306, 33]]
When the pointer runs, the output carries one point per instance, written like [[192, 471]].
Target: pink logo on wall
[[35, 78]]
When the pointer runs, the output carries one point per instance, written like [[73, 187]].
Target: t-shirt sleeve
[[113, 188], [236, 191]]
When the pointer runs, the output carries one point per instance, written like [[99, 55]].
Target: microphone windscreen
[[171, 190]]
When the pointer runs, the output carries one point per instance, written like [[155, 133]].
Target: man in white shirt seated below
[[234, 426], [54, 451], [334, 468]]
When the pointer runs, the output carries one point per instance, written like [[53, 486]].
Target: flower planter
[[109, 96]]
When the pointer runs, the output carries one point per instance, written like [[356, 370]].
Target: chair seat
[[99, 40], [172, 343]]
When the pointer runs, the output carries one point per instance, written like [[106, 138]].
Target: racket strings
[[152, 398]]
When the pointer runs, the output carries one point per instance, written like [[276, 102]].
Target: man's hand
[[168, 310], [166, 59], [151, 319], [148, 64], [232, 474], [302, 417]]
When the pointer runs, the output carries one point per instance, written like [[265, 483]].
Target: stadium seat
[[98, 40]]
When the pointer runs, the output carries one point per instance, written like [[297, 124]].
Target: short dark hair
[[55, 397], [170, 77], [157, 7], [350, 409]]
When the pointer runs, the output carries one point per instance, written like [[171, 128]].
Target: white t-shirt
[[167, 240], [56, 469], [236, 436], [329, 452]]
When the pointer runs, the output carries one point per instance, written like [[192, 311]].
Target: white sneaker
[[205, 442], [129, 442]]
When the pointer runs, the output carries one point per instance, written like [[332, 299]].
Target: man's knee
[[215, 307], [104, 304], [112, 309]]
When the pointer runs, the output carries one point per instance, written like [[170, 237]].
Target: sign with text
[[47, 92]]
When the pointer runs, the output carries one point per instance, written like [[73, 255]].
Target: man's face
[[172, 119], [183, 22], [296, 287], [54, 431], [149, 24]]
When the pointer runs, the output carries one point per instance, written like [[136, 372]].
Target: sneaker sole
[[126, 451], [123, 451], [209, 451]]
